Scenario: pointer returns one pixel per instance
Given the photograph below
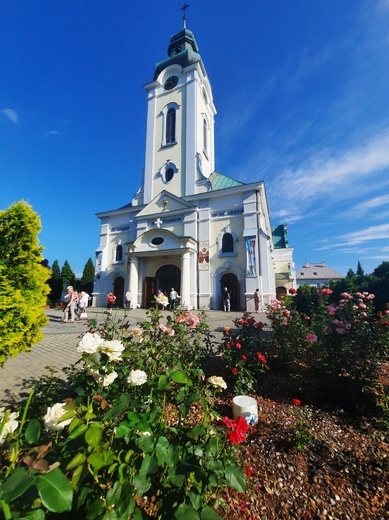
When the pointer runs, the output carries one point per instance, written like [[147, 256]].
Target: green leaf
[[16, 484], [235, 477], [215, 466], [146, 444], [195, 498], [123, 430], [110, 515], [209, 514], [177, 476], [115, 411], [113, 495], [74, 424], [55, 491], [179, 376], [186, 512], [95, 510], [94, 435], [33, 431], [77, 460], [141, 483], [164, 452], [197, 431], [80, 430], [99, 460], [133, 418], [149, 465], [162, 382]]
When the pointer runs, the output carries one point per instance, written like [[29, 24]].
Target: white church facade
[[188, 226]]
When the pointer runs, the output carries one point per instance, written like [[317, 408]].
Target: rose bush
[[137, 435]]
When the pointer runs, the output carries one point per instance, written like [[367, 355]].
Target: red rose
[[261, 358], [292, 290], [296, 402], [234, 371], [238, 345]]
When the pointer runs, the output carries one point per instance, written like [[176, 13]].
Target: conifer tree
[[88, 276], [23, 287], [55, 282], [67, 275]]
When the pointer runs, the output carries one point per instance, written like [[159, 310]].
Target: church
[[189, 227]]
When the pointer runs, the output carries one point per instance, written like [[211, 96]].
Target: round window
[[169, 174], [157, 241]]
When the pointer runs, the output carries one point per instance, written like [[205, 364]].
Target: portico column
[[133, 264], [185, 281]]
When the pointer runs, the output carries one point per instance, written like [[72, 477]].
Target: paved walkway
[[58, 348]]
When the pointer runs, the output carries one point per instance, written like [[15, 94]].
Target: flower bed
[[144, 429]]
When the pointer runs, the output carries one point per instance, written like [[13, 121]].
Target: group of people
[[111, 300], [75, 305], [170, 301]]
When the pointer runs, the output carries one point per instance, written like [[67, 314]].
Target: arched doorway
[[230, 281], [168, 276], [280, 292], [118, 290]]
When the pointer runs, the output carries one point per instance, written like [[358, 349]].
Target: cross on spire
[[184, 8]]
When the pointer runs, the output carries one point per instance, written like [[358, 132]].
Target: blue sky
[[302, 93]]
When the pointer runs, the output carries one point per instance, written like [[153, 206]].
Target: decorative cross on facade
[[184, 9], [158, 222]]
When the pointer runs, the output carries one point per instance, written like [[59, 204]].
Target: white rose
[[109, 378], [217, 382], [90, 343], [9, 425], [113, 349], [137, 378], [53, 415]]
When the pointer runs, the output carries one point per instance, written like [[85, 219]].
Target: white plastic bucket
[[245, 406]]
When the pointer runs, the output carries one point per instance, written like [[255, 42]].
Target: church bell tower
[[180, 153]]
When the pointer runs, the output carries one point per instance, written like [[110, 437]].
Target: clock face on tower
[[170, 83]]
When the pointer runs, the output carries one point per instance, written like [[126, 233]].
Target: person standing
[[82, 304], [226, 300], [69, 307], [257, 300], [173, 299], [111, 299], [128, 299]]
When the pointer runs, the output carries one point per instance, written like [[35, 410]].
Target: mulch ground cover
[[309, 462]]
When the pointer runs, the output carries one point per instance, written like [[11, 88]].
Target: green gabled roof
[[222, 182]]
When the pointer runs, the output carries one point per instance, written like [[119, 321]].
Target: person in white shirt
[[128, 299]]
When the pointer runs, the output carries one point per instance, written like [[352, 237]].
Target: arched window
[[119, 253], [170, 126], [205, 135], [227, 243]]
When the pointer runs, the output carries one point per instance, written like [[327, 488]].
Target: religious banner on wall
[[251, 258], [204, 256]]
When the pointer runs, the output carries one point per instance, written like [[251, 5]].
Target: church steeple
[[183, 50], [180, 123]]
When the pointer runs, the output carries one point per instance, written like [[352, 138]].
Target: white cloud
[[338, 177], [365, 207], [52, 132], [364, 235], [11, 115]]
